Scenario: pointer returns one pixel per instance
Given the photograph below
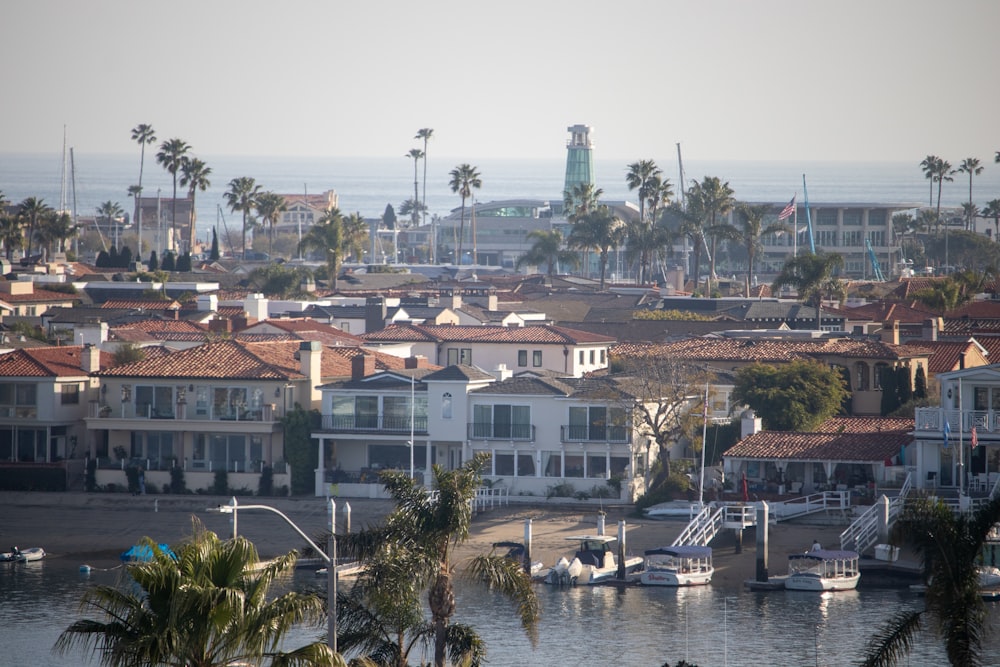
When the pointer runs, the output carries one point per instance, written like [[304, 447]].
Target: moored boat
[[823, 570], [593, 562], [16, 555], [684, 565]]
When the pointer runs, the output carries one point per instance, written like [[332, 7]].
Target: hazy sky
[[881, 80]]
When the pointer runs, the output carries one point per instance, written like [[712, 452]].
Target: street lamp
[[329, 557]]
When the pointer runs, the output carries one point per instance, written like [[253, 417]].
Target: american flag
[[788, 210]]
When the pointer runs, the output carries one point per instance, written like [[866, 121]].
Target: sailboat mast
[[62, 178], [76, 226]]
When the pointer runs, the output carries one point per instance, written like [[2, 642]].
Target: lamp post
[[329, 556]]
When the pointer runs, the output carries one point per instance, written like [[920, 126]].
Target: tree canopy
[[797, 396]]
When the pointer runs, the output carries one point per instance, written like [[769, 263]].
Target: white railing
[[863, 533], [702, 528]]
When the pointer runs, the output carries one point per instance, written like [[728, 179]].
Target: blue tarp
[[143, 553]]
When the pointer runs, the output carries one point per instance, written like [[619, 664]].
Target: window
[[457, 355], [70, 394], [852, 216], [597, 424], [446, 406], [154, 402], [852, 238], [507, 422], [230, 402], [582, 358], [881, 372], [522, 358], [536, 358], [604, 357], [18, 400], [593, 357], [861, 376]]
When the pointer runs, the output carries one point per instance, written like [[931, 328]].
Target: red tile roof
[[539, 334], [842, 439], [141, 304], [976, 310], [39, 295], [766, 350], [47, 362]]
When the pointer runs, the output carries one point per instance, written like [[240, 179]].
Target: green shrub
[[561, 490], [177, 481]]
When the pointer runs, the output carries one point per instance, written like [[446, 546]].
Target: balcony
[[932, 420], [182, 411], [374, 423], [595, 433], [500, 431]]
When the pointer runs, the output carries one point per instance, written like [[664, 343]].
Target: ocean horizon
[[368, 185]]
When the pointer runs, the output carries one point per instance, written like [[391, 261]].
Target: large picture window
[[504, 422]]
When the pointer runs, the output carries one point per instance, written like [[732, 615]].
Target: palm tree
[[597, 230], [53, 231], [142, 134], [992, 210], [11, 234], [416, 154], [431, 526], [327, 237], [970, 166], [355, 236], [753, 231], [426, 133], [970, 211], [242, 196], [928, 165], [643, 240], [950, 545], [464, 178], [194, 175], [413, 208], [171, 158], [942, 172], [644, 176], [110, 211], [808, 274], [269, 207], [547, 249], [210, 607], [581, 199], [713, 199], [33, 209]]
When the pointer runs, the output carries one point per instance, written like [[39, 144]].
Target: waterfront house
[[44, 394]]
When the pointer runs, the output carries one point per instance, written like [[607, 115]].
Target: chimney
[[931, 328], [90, 358], [750, 423], [491, 301], [208, 302], [417, 361], [375, 313], [501, 372], [220, 325], [890, 332], [255, 307], [310, 360], [362, 366]]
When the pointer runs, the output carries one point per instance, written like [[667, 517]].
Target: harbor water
[[634, 626]]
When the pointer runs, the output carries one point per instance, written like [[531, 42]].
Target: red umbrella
[[746, 490]]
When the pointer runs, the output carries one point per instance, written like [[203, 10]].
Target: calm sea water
[[367, 185], [639, 627]]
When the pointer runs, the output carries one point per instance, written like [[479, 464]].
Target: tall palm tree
[[355, 236], [808, 274], [11, 234], [950, 545], [970, 212], [142, 134], [597, 230], [942, 172], [464, 178], [643, 240], [927, 165], [753, 231], [413, 208], [432, 526], [242, 196], [210, 607], [581, 199], [171, 157], [33, 209], [269, 207], [54, 230], [970, 166], [426, 133], [194, 176], [327, 237], [992, 210], [644, 176], [713, 199], [110, 211], [547, 248], [416, 155]]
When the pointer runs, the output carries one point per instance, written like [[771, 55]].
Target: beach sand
[[95, 528]]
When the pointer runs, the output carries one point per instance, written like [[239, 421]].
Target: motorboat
[[593, 562], [683, 565], [823, 570], [515, 552], [16, 555]]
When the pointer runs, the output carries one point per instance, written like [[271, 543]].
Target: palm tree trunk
[[461, 234], [173, 217]]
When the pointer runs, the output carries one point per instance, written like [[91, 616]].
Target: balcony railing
[[494, 431], [209, 413], [959, 421], [367, 423], [594, 433]]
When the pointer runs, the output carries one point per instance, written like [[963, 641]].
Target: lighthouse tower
[[579, 157]]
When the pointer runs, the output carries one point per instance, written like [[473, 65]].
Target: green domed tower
[[579, 157]]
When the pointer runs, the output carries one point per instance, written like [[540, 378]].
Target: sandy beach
[[95, 528]]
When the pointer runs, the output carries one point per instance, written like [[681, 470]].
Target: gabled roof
[[537, 334], [843, 439], [945, 354], [527, 386], [767, 350], [460, 373], [890, 311], [47, 362], [976, 310], [306, 329]]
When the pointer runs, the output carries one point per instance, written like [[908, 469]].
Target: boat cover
[[682, 551], [143, 553], [826, 554]]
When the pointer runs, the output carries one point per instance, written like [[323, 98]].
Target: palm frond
[[893, 641]]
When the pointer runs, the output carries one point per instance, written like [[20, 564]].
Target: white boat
[[823, 570], [593, 562], [22, 555], [685, 565]]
